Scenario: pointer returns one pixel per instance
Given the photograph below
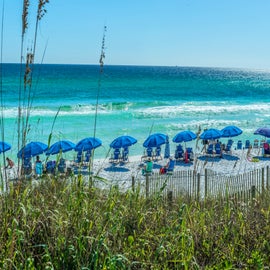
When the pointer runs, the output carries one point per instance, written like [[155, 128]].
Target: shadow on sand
[[230, 157], [262, 158], [114, 168], [209, 158], [183, 164]]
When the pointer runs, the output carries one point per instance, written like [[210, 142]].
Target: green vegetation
[[59, 224]]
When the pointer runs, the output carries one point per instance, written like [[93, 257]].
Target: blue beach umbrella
[[123, 141], [230, 131], [32, 149], [210, 134], [155, 140], [87, 144], [167, 148], [184, 136], [264, 131], [4, 147], [60, 146]]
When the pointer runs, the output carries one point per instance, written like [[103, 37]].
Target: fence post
[[267, 177], [91, 182], [262, 180], [147, 185], [253, 191], [133, 183], [205, 183], [170, 197], [198, 186]]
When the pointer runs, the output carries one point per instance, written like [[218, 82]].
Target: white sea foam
[[74, 110], [185, 109], [158, 111], [203, 123]]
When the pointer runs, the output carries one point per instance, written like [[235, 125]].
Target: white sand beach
[[238, 161]]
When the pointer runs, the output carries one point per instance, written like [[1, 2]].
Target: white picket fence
[[209, 184]]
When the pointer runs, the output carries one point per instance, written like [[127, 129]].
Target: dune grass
[[60, 224]]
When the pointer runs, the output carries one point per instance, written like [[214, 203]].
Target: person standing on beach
[[38, 167], [10, 163]]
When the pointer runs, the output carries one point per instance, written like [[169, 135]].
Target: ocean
[[135, 101]]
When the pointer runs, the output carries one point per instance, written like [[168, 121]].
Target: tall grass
[[26, 92], [62, 224]]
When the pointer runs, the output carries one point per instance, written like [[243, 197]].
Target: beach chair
[[256, 143], [62, 166], [50, 167], [170, 167], [27, 167], [79, 157], [125, 153], [261, 143], [148, 153], [247, 144], [157, 153], [190, 153], [239, 145], [228, 146], [210, 149], [218, 151], [87, 157], [179, 152], [116, 156]]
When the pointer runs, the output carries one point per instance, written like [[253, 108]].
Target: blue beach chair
[[239, 145], [116, 156], [218, 151], [147, 154], [256, 143], [62, 166], [228, 147], [158, 153], [50, 166], [247, 144], [190, 153], [179, 152], [87, 157], [79, 157], [210, 149], [27, 167], [170, 167], [125, 153]]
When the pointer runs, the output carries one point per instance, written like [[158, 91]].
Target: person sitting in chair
[[148, 168], [169, 167]]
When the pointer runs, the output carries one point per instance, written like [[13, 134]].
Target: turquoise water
[[136, 101]]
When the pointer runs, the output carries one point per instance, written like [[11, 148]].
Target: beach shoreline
[[121, 174]]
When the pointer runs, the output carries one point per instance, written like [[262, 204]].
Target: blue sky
[[228, 33]]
